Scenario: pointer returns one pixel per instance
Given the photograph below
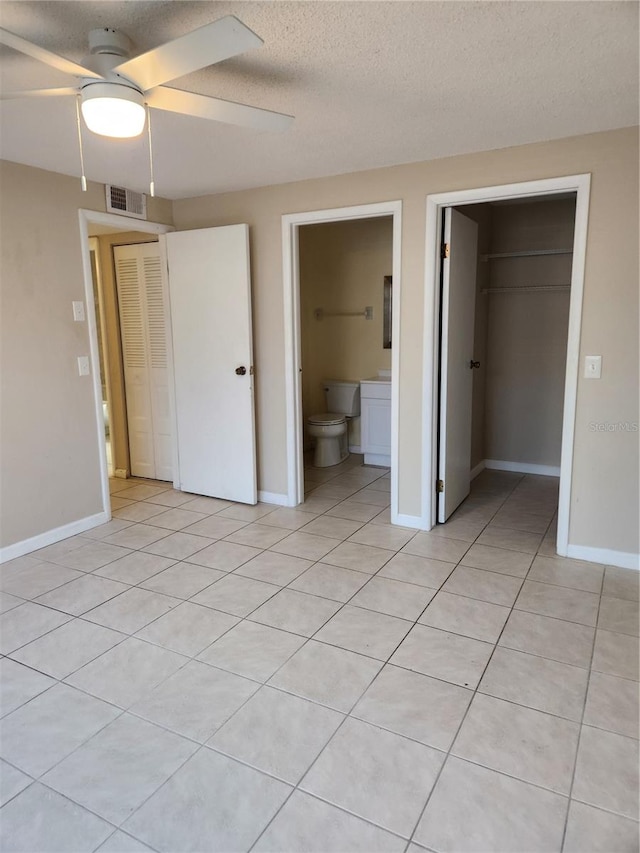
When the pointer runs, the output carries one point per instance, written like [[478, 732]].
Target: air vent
[[121, 200]]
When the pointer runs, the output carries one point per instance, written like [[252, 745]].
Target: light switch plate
[[83, 365], [593, 367], [78, 312]]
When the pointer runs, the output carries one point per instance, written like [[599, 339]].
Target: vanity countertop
[[383, 376]]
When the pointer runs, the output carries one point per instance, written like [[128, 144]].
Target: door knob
[[241, 371], [473, 364]]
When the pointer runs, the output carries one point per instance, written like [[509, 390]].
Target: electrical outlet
[[83, 365], [78, 312], [593, 367]]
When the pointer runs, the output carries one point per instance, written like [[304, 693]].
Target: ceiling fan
[[115, 89]]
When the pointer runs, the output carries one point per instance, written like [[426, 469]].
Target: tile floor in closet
[[204, 676]]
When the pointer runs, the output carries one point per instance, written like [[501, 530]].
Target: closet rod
[[320, 313], [532, 253], [527, 288]]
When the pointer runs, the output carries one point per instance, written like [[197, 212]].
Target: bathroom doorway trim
[[291, 224], [118, 223], [580, 184]]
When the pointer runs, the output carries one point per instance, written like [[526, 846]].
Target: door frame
[[294, 429], [121, 223], [94, 246], [580, 184]]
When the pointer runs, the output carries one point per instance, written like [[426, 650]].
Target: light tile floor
[[199, 675]]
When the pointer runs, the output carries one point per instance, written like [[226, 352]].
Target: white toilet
[[330, 430]]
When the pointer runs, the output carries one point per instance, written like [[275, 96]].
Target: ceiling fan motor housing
[[108, 48], [108, 40]]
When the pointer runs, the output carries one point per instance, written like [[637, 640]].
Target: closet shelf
[[529, 254], [529, 288]]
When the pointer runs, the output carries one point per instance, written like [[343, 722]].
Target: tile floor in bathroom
[[204, 676]]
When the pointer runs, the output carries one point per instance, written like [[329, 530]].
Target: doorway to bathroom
[[342, 288]]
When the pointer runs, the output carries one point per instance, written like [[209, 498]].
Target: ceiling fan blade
[[205, 46], [43, 55], [39, 93], [215, 109]]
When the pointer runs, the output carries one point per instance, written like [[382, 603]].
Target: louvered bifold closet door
[[144, 349]]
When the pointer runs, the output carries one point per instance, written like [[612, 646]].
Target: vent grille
[[121, 200]]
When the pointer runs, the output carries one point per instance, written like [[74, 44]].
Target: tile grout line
[[464, 717], [581, 723]]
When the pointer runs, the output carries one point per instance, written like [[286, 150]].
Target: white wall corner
[[19, 549], [604, 556]]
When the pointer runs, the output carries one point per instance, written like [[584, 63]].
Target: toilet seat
[[328, 419]]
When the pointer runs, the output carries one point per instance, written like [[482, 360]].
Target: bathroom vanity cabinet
[[375, 413]]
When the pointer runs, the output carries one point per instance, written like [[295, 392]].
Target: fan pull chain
[[83, 179], [152, 185]]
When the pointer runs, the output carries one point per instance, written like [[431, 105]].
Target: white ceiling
[[370, 83]]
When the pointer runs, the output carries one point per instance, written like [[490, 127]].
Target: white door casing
[[210, 298], [142, 310], [456, 355]]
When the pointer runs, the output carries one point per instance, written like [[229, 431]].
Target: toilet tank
[[343, 398]]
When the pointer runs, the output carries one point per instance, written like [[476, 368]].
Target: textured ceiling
[[371, 84]]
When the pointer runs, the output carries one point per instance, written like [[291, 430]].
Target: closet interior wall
[[521, 338]]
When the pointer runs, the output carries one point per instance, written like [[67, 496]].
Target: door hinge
[[439, 486], [445, 250]]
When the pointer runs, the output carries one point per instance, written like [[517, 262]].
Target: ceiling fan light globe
[[113, 110]]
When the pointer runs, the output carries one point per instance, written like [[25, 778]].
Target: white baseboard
[[355, 449], [273, 498], [379, 459], [478, 469], [604, 556], [19, 549], [522, 467], [413, 521]]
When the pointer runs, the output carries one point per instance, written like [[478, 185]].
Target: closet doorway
[[99, 233], [506, 282], [131, 316], [507, 286]]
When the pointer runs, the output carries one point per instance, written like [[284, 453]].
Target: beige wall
[[604, 510], [118, 406], [527, 333], [48, 433], [342, 268]]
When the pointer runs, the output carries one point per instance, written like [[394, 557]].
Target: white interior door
[[142, 310], [456, 356], [210, 295]]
